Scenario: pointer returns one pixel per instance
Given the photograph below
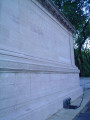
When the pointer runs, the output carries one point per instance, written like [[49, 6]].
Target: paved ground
[[85, 82], [84, 114], [69, 114]]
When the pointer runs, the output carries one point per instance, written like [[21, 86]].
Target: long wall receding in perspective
[[37, 69]]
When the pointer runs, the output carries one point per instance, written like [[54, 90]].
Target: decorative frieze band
[[49, 5]]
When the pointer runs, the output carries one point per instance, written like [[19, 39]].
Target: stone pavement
[[85, 82], [69, 114]]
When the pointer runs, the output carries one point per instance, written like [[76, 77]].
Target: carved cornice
[[49, 5]]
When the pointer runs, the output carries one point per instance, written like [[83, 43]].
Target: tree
[[77, 12]]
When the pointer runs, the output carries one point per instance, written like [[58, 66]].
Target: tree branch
[[59, 4], [84, 36], [81, 5]]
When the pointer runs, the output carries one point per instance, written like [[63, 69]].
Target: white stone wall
[[30, 96], [25, 26], [37, 69]]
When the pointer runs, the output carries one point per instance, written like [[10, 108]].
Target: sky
[[87, 44]]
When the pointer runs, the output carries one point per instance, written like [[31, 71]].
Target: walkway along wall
[[37, 69]]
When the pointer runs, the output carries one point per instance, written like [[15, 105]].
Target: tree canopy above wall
[[77, 12]]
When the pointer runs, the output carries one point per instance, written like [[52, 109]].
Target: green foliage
[[77, 12], [86, 62]]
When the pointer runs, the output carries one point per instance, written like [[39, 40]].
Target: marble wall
[[37, 69]]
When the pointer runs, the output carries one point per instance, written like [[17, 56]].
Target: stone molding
[[17, 62], [50, 6], [29, 58], [11, 66]]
